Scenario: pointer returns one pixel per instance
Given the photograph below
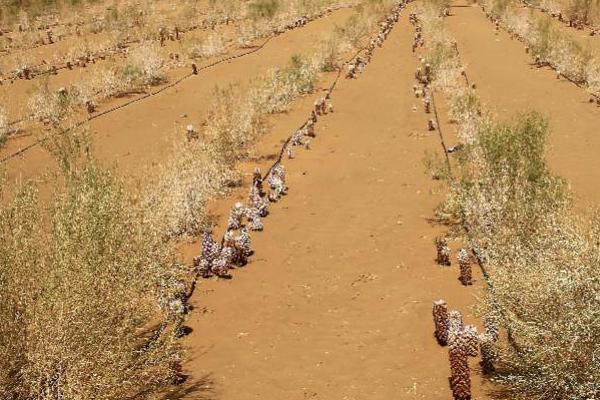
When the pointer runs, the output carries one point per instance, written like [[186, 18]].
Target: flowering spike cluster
[[443, 251], [427, 104], [488, 353], [351, 73], [440, 319], [359, 65], [257, 181], [455, 322], [244, 243], [431, 125], [309, 127], [209, 253], [463, 343], [257, 202], [254, 218], [418, 38], [321, 106], [385, 28], [464, 262], [471, 340], [191, 132], [235, 216], [223, 262], [234, 255], [296, 139], [277, 182]]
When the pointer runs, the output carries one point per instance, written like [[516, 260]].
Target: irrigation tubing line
[[329, 91], [577, 83], [441, 134], [464, 226], [213, 64]]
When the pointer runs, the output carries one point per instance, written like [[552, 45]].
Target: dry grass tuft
[[84, 284]]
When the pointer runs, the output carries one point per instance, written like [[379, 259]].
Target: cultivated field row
[[150, 321], [145, 67], [137, 73], [516, 217], [129, 20]]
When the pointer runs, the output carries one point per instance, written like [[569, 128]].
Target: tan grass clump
[[84, 288], [539, 260]]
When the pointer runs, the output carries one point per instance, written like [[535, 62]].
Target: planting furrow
[[275, 176], [28, 72], [518, 219], [572, 56], [159, 24], [571, 21], [441, 70], [344, 291]]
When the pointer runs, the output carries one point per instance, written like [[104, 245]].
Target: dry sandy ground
[[336, 303]]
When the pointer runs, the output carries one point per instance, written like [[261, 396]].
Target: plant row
[[93, 296], [539, 260]]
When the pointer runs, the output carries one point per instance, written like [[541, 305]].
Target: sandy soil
[[336, 303]]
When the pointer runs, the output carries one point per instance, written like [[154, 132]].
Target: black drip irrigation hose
[[145, 96], [441, 134], [401, 5]]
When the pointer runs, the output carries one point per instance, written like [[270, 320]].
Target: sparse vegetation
[[4, 127], [202, 169], [91, 277], [548, 45], [539, 259]]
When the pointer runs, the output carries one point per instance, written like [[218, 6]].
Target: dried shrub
[[180, 188], [264, 8], [540, 260], [145, 66], [81, 284], [206, 47], [51, 107]]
